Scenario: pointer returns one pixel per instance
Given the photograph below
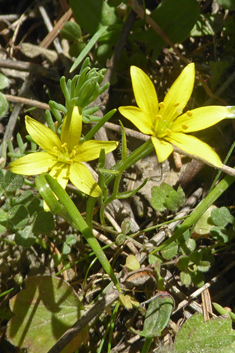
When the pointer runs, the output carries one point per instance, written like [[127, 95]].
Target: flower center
[[65, 156], [163, 129]]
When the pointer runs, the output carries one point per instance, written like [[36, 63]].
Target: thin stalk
[[133, 157], [147, 344]]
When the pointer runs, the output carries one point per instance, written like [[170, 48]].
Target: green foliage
[[223, 311], [227, 4], [71, 31], [212, 336], [207, 24], [221, 217], [91, 15], [165, 196], [217, 222], [175, 18], [3, 105], [193, 263], [157, 315], [10, 182], [22, 214], [44, 310], [4, 83], [218, 68], [69, 242], [81, 91], [170, 251]]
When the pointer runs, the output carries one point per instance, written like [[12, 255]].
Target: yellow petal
[[61, 173], [145, 93], [33, 164], [42, 135], [163, 149], [140, 119], [179, 94], [194, 146], [72, 128], [89, 150], [81, 177], [200, 118]]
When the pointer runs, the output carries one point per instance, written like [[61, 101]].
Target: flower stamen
[[189, 113], [161, 105]]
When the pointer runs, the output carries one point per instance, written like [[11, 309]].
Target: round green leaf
[[183, 263], [185, 278], [43, 312], [4, 81], [213, 336], [44, 223], [132, 263], [205, 223], [170, 251], [3, 105]]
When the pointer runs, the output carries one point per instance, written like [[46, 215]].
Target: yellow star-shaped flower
[[63, 157], [165, 122]]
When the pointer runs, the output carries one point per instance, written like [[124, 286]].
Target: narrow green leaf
[[88, 47]]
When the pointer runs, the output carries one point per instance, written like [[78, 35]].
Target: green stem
[[198, 212], [147, 344], [133, 157], [44, 183], [89, 210], [224, 162], [121, 166]]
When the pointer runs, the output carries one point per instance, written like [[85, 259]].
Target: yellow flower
[[165, 122], [63, 157]]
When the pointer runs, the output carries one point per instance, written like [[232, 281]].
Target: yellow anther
[[168, 132], [189, 113], [161, 105], [176, 105], [158, 117], [72, 154], [185, 127], [64, 144]]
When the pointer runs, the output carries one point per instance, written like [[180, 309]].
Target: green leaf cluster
[[22, 214], [224, 222], [193, 263], [80, 91], [165, 197]]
